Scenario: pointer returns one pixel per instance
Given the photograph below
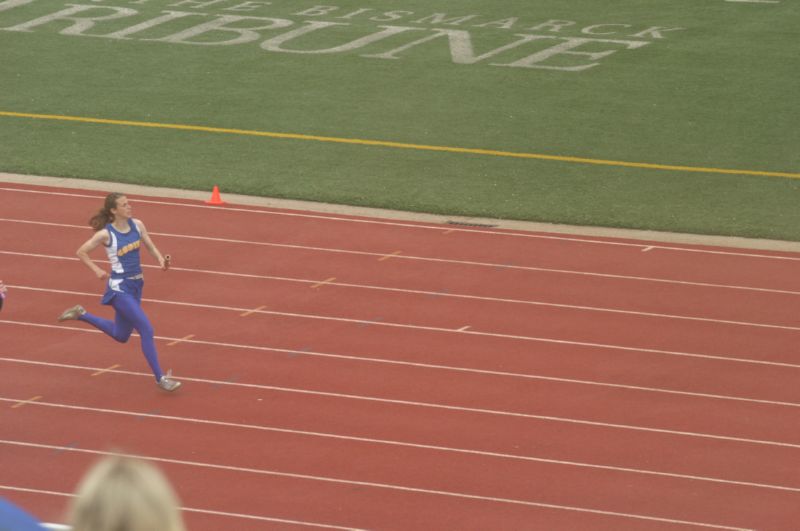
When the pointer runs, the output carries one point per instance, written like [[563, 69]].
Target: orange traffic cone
[[215, 198]]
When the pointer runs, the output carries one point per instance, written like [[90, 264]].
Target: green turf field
[[539, 96]]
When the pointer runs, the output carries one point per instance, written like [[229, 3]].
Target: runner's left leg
[[130, 311]]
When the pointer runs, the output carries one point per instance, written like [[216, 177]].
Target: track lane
[[563, 399], [727, 303], [738, 307], [437, 315], [546, 438], [430, 473], [735, 267], [281, 497]]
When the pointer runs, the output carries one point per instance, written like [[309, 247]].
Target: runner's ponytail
[[104, 216]]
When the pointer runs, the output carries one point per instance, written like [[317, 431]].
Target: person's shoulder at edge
[[14, 518]]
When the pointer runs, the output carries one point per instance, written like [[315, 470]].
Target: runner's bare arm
[[99, 238], [151, 247]]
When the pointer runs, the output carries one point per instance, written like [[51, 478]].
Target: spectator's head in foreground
[[125, 494]]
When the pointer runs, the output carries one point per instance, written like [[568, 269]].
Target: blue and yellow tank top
[[123, 251]]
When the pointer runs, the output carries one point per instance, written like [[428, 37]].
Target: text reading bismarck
[[563, 45]]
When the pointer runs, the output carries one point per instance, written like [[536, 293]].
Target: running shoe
[[72, 313], [167, 383]]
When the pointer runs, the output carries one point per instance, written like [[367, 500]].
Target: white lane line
[[434, 260], [468, 370], [445, 407], [442, 294], [387, 486], [419, 446], [186, 509], [530, 235]]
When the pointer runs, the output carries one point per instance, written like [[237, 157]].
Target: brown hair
[[104, 216]]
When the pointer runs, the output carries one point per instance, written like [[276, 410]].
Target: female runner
[[121, 235]]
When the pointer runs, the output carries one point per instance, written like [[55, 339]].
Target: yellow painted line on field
[[400, 145]]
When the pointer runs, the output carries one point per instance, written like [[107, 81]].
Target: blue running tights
[[129, 317]]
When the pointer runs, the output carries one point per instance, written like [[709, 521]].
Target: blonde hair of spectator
[[125, 494]]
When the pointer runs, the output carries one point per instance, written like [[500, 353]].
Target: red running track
[[350, 373]]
